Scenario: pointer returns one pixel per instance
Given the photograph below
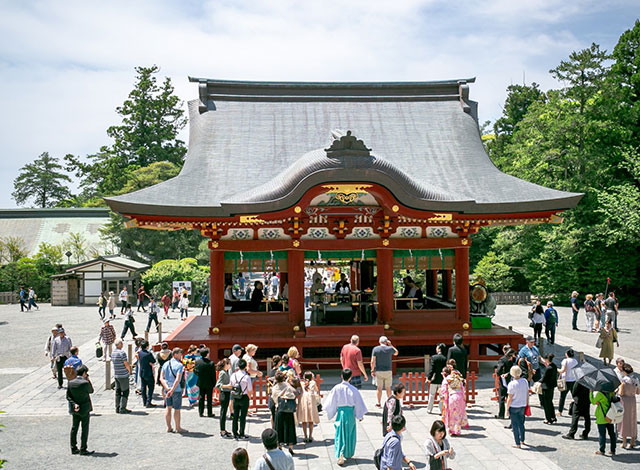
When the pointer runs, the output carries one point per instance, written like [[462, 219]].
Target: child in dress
[[308, 406]]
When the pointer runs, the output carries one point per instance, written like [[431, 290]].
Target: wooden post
[[146, 336], [159, 332], [217, 286], [295, 261], [427, 363], [269, 366], [107, 374], [130, 352], [384, 259], [462, 283]]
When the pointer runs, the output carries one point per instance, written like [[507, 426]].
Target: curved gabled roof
[[257, 147]]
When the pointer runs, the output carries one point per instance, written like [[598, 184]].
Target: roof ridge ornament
[[346, 146]]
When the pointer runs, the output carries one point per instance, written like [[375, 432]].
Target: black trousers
[[547, 404], [205, 393], [147, 389], [563, 396], [153, 317], [128, 326], [575, 418], [225, 397], [502, 399], [23, 305], [59, 366], [84, 436], [537, 332], [240, 408]]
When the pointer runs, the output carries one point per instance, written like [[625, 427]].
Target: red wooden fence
[[417, 390], [260, 398]]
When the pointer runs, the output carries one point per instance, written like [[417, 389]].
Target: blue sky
[[66, 66]]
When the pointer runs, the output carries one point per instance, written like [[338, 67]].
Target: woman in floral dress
[[454, 412], [191, 378]]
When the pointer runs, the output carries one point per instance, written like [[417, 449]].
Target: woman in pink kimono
[[454, 412]]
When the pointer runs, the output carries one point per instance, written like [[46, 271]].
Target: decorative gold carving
[[440, 217], [346, 188], [297, 209], [465, 241], [215, 244], [251, 219], [555, 219], [346, 198], [131, 223], [395, 208], [385, 242], [296, 243]]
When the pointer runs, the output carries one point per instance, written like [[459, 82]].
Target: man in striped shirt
[[121, 372], [61, 350]]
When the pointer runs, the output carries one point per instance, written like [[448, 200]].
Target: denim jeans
[[603, 429], [574, 321], [550, 331], [517, 423]]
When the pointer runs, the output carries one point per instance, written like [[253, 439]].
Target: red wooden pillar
[[217, 287], [434, 274], [462, 283], [447, 284], [295, 278], [384, 259]]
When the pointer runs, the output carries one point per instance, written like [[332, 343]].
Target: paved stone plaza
[[37, 423]]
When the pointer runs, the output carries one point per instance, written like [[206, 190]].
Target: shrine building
[[308, 181]]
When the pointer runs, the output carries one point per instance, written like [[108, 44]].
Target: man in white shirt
[[278, 459], [124, 299], [275, 282]]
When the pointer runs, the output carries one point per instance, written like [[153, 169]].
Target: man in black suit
[[458, 353], [78, 391], [581, 409], [206, 372], [145, 363], [502, 370], [434, 377]]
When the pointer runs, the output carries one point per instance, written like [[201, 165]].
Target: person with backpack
[[603, 401], [590, 313], [241, 391], [391, 455], [172, 379], [551, 322]]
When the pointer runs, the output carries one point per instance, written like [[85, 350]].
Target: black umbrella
[[601, 380]]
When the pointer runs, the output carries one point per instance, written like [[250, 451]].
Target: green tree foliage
[[42, 182], [584, 138], [160, 277], [495, 272], [76, 243], [12, 249], [33, 272]]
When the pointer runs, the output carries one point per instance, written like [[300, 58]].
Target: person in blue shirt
[[551, 322], [23, 299], [392, 455], [171, 380], [575, 308], [74, 361], [204, 301], [531, 354]]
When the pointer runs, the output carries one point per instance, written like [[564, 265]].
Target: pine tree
[[42, 182]]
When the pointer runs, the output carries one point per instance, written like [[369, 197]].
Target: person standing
[[567, 375], [204, 302], [153, 314], [628, 427], [274, 457], [32, 299], [172, 382], [608, 335], [78, 396], [61, 351], [275, 284], [550, 322], [454, 412], [284, 396], [124, 299], [107, 336], [121, 373], [206, 374], [382, 367], [505, 363], [549, 382], [166, 303], [602, 401], [581, 409], [224, 386], [351, 358], [242, 391], [241, 284], [611, 304], [147, 379], [437, 448], [392, 455], [175, 297], [24, 299], [538, 321], [392, 407], [74, 361], [111, 304], [163, 356], [590, 313], [141, 294], [308, 406], [517, 401], [434, 376], [346, 404], [191, 379], [184, 307], [530, 353], [599, 311], [459, 353], [575, 309], [48, 346]]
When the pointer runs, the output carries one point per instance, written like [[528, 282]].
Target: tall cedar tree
[[41, 182]]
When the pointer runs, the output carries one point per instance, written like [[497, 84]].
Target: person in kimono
[[346, 404]]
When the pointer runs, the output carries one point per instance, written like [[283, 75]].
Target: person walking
[[537, 320], [549, 382], [48, 347], [23, 298], [206, 379], [166, 303], [284, 396], [437, 447], [590, 313], [550, 322], [392, 407], [505, 364], [241, 392], [147, 379], [567, 376], [602, 401], [32, 299], [351, 358], [581, 409], [79, 399], [608, 336], [153, 314], [459, 353], [224, 386], [575, 309], [454, 412], [141, 294], [121, 373], [74, 361], [102, 305], [345, 403], [628, 428], [129, 321], [204, 302], [434, 376], [308, 406], [111, 305], [274, 457], [382, 366], [392, 455], [124, 299], [107, 336], [60, 351], [183, 304], [172, 383], [517, 401], [611, 307]]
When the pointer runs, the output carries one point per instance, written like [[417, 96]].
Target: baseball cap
[[236, 347]]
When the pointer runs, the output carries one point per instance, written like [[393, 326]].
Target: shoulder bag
[[537, 388], [562, 384], [286, 405]]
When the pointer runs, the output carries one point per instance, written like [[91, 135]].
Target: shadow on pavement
[[104, 454], [196, 434]]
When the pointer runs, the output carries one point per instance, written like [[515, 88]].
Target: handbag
[[527, 410], [537, 388], [98, 350], [599, 342], [531, 325], [286, 405], [562, 385]]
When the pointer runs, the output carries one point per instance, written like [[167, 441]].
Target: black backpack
[[377, 456]]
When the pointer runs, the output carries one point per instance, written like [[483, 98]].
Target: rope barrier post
[[427, 363], [146, 336], [160, 332], [130, 352], [580, 356], [269, 366], [107, 374]]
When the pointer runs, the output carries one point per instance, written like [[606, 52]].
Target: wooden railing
[[260, 398], [504, 298], [8, 298], [417, 389]]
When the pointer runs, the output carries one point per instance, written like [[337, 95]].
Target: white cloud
[[65, 66]]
